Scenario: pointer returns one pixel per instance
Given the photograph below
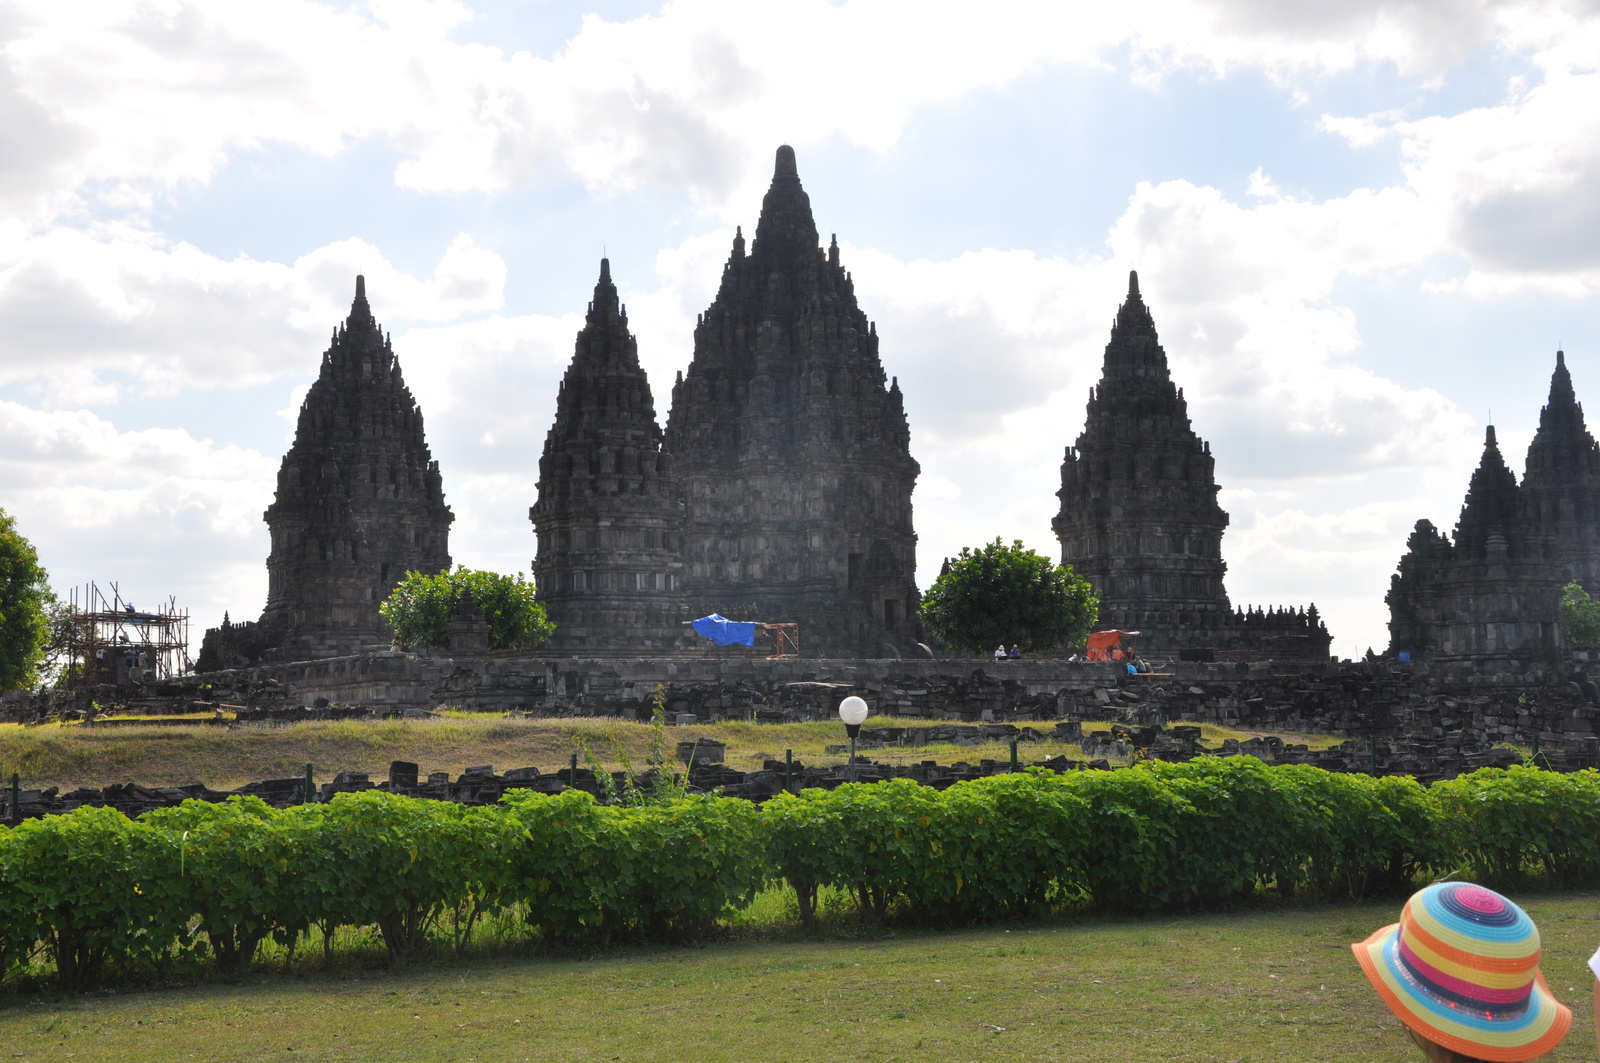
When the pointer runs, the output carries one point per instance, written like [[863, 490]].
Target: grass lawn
[[1278, 986], [224, 758]]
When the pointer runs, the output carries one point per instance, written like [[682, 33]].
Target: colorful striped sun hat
[[1461, 968]]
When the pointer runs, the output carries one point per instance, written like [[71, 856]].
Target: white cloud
[[130, 101], [487, 390], [157, 511], [1515, 186], [135, 98], [82, 311], [1416, 36]]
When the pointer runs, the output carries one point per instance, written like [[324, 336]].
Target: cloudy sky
[[1361, 227]]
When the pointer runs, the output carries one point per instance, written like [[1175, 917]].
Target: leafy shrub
[[557, 869], [981, 849], [1131, 827], [800, 830], [482, 840], [690, 861], [235, 871], [421, 607], [1373, 836], [388, 860], [880, 844], [102, 890], [1508, 822], [1242, 825], [19, 917], [1202, 834], [319, 893], [1002, 846], [658, 871]]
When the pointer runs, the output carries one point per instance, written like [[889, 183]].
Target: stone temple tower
[[609, 568], [1489, 592], [791, 448], [1493, 588], [360, 502], [1139, 517]]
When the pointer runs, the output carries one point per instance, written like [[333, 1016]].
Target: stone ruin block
[[701, 751], [402, 773]]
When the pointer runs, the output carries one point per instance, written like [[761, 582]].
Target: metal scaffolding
[[113, 644], [785, 640]]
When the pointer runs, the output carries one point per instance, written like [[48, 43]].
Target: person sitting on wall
[[1000, 652], [1016, 651], [1461, 971]]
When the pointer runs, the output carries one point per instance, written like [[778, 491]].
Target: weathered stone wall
[[712, 687], [1447, 712], [1444, 704]]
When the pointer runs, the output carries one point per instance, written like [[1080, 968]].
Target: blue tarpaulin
[[725, 632]]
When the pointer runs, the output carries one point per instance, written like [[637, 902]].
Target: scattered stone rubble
[[233, 692], [707, 771]]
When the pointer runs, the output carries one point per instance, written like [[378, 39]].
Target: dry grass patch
[[226, 757]]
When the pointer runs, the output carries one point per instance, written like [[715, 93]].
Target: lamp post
[[853, 711]]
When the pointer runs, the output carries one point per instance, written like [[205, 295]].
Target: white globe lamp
[[853, 711]]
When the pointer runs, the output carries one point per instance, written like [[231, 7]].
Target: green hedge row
[[95, 890]]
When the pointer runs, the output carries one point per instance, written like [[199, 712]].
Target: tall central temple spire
[[786, 229], [791, 446]]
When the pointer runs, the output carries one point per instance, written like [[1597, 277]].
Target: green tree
[[58, 667], [24, 596], [1580, 616], [1009, 594], [421, 607]]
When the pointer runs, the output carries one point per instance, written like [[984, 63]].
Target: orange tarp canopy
[[1102, 644]]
